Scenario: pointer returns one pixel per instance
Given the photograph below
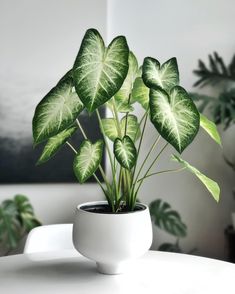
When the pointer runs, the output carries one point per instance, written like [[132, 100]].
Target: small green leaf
[[167, 219], [175, 116], [99, 72], [56, 112], [125, 152], [122, 96], [110, 128], [165, 76], [54, 144], [140, 93], [211, 185], [210, 128], [169, 247], [87, 159]]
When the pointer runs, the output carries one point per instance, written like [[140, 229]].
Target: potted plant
[[113, 231]]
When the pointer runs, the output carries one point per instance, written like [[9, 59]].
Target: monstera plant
[[111, 77]]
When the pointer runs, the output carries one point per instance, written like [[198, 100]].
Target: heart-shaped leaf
[[133, 129], [211, 185], [175, 116], [167, 219], [99, 72], [55, 143], [56, 112], [125, 152], [140, 93], [122, 96], [165, 76], [87, 159], [210, 127]]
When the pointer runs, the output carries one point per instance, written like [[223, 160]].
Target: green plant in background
[[217, 74], [16, 220], [168, 220], [111, 76]]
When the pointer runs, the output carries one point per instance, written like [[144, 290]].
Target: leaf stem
[[151, 165], [162, 172], [74, 150]]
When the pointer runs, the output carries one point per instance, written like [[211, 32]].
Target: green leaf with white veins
[[122, 96], [175, 116], [133, 129], [165, 76], [125, 152], [54, 144], [210, 128], [211, 185], [140, 93], [87, 159], [99, 72], [56, 112]]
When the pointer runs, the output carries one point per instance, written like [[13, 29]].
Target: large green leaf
[[56, 112], [99, 72], [122, 96], [174, 116], [140, 93], [54, 144], [165, 76], [125, 152], [132, 130], [10, 227], [26, 213], [167, 219], [211, 185], [87, 159], [210, 127]]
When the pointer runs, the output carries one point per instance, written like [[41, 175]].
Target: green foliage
[[222, 107], [175, 116], [99, 72], [216, 72], [16, 219], [211, 185], [210, 128], [87, 159], [110, 76], [125, 152], [169, 247], [167, 219]]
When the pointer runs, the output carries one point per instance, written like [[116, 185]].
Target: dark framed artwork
[[38, 46]]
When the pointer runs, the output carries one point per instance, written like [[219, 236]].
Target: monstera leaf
[[122, 96], [16, 218], [211, 185], [125, 152], [165, 76], [132, 130], [210, 127], [56, 112], [99, 72], [167, 219], [26, 213], [87, 159], [140, 93], [175, 116], [55, 143]]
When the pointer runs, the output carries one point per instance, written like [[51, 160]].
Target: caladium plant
[[111, 76]]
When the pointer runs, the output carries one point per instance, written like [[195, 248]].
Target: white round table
[[156, 272]]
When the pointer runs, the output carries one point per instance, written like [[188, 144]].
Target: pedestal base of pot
[[110, 269]]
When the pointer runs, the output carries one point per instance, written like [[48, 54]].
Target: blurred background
[[39, 42]]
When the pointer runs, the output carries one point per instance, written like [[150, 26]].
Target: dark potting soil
[[104, 208]]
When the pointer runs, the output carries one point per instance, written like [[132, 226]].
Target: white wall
[[39, 42], [189, 30]]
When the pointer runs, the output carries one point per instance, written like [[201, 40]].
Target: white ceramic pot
[[112, 239]]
